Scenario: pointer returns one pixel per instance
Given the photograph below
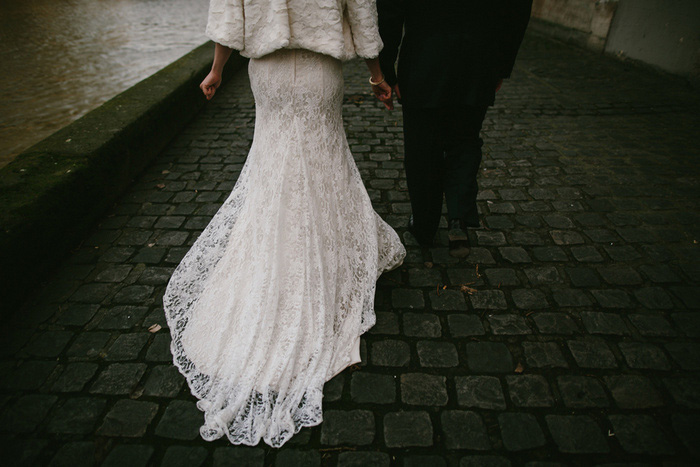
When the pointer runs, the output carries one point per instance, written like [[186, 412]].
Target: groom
[[454, 57]]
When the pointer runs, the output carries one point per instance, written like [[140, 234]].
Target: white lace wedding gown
[[271, 300]]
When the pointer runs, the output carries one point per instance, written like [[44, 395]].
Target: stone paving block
[[26, 413], [127, 346], [605, 323], [490, 238], [685, 354], [622, 253], [92, 293], [644, 356], [405, 429], [29, 376], [390, 353], [423, 389], [465, 325], [543, 275], [549, 253], [181, 420], [479, 255], [633, 392], [387, 323], [150, 255], [690, 296], [122, 317], [576, 434], [558, 221], [529, 391], [583, 277], [77, 314], [555, 323], [88, 344], [639, 434], [75, 454], [372, 388], [502, 277], [566, 237], [484, 461], [688, 323], [586, 254], [529, 299], [347, 428], [421, 325], [659, 273], [582, 392], [685, 426], [118, 378], [76, 416], [185, 456], [544, 355], [470, 277], [48, 344], [422, 277], [114, 273], [407, 298], [242, 456], [133, 294], [297, 458], [480, 391], [651, 324], [333, 389], [159, 349], [488, 357], [616, 275], [363, 458], [500, 222], [133, 455], [128, 418], [447, 300], [424, 461], [515, 254], [464, 430], [653, 298], [571, 298], [437, 354], [685, 391], [489, 300], [508, 324], [520, 431], [591, 354]]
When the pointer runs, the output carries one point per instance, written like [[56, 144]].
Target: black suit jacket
[[453, 52]]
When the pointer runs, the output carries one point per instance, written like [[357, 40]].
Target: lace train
[[270, 301]]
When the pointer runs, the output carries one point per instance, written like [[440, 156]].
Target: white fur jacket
[[339, 28]]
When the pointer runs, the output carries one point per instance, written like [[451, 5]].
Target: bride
[[271, 300]]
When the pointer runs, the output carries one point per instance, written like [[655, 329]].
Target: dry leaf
[[151, 245], [467, 290], [165, 172], [428, 264], [154, 328], [160, 185], [519, 368]]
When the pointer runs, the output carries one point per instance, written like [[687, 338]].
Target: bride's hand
[[383, 92], [210, 84]]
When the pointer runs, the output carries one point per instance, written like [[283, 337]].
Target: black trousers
[[442, 154]]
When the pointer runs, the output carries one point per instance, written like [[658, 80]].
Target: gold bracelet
[[377, 83]]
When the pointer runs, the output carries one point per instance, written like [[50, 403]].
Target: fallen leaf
[[160, 185], [154, 328], [428, 264], [519, 368], [165, 172]]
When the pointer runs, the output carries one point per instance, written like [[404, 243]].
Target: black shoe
[[421, 241], [458, 239]]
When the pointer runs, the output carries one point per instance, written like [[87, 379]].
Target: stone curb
[[52, 194]]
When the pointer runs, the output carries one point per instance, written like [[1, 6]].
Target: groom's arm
[[514, 17], [391, 18]]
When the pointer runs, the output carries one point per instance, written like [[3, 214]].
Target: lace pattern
[[270, 301]]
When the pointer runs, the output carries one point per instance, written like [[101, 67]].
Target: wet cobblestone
[[568, 335]]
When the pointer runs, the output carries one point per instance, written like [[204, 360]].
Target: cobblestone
[[569, 333]]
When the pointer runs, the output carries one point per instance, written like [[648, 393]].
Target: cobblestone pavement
[[569, 335]]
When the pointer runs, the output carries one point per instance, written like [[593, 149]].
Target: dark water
[[61, 58]]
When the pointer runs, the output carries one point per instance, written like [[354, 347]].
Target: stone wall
[[583, 21]]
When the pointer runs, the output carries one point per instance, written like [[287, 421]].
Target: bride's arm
[[381, 89], [213, 80]]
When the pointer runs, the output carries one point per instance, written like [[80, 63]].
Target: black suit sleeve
[[514, 16], [391, 18]]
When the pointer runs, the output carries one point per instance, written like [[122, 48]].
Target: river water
[[61, 58]]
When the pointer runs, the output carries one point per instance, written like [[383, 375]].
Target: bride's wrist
[[376, 80]]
